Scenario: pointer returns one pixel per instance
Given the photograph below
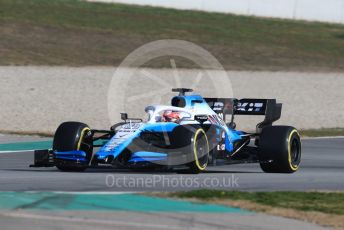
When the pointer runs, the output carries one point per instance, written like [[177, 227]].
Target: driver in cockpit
[[171, 116]]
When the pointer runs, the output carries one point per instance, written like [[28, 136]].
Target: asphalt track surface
[[35, 220], [322, 168]]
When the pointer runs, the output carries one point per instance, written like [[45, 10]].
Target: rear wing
[[221, 106], [247, 106]]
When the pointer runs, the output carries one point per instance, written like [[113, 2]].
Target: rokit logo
[[249, 107], [218, 106]]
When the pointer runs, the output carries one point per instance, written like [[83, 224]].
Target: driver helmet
[[171, 116]]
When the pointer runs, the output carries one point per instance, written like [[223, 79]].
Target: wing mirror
[[124, 116]]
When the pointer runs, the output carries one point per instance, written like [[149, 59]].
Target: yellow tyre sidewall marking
[[200, 167], [293, 167], [83, 131]]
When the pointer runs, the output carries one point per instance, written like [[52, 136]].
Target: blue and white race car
[[190, 134]]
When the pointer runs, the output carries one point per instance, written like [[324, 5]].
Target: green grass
[[322, 132], [330, 203], [70, 32]]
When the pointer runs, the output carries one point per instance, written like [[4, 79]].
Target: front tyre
[[71, 136], [200, 151], [279, 149]]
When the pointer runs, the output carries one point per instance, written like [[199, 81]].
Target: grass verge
[[324, 208], [324, 132], [77, 33]]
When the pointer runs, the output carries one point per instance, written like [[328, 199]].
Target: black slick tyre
[[71, 136], [279, 149]]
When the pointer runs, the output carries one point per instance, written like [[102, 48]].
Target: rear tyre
[[279, 149], [71, 136]]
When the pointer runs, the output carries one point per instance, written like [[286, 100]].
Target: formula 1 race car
[[190, 134]]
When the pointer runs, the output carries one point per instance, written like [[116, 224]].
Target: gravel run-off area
[[38, 99]]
